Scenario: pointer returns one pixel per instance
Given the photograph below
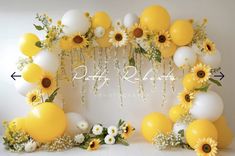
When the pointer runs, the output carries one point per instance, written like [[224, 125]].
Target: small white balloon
[[130, 19], [23, 87], [213, 60], [184, 56], [207, 105], [75, 21], [73, 119], [99, 32], [47, 60], [178, 127]]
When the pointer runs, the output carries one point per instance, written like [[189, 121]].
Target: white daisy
[[118, 37], [99, 32], [113, 130], [97, 129], [109, 140], [30, 146], [79, 138], [83, 125]]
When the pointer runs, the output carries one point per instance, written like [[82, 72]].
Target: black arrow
[[221, 75], [13, 76]]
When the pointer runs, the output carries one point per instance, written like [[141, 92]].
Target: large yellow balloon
[[155, 18], [45, 122], [225, 134], [154, 123], [101, 19], [181, 32], [189, 83], [199, 129], [28, 44], [167, 52], [176, 112], [104, 40], [18, 123], [32, 73]]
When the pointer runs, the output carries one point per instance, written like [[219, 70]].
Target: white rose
[[113, 130], [83, 125], [79, 138], [99, 32], [30, 146], [97, 129], [109, 140]]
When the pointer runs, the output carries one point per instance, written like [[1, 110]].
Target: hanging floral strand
[[164, 83], [83, 88], [172, 79], [106, 64], [141, 86]]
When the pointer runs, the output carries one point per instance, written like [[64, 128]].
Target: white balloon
[[23, 87], [75, 21], [184, 56], [72, 121], [47, 60], [207, 105], [130, 19], [213, 60], [178, 127]]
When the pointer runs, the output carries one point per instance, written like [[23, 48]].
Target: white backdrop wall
[[17, 17]]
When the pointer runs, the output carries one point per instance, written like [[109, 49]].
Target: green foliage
[[215, 82], [52, 96]]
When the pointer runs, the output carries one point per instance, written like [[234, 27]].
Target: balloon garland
[[197, 122]]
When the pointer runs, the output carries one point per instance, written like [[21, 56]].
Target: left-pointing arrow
[[13, 76]]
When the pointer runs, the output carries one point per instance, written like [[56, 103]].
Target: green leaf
[[122, 141], [132, 61], [215, 82], [38, 27], [39, 44], [52, 96], [203, 88]]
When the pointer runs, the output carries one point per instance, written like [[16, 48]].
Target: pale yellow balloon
[[167, 52], [181, 32], [154, 123], [155, 18], [225, 134], [18, 123], [28, 44], [101, 19], [199, 129], [32, 73], [104, 40], [45, 122], [189, 83], [176, 112]]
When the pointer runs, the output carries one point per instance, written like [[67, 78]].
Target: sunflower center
[[127, 129], [118, 37], [201, 74], [92, 144], [208, 47], [34, 98], [162, 38], [78, 39], [138, 32], [187, 98], [206, 148], [46, 82]]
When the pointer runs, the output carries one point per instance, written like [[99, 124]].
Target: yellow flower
[[93, 145], [137, 31], [65, 43], [118, 37], [162, 39], [209, 46], [78, 41], [127, 130], [206, 147], [34, 98], [201, 72], [186, 97], [47, 83]]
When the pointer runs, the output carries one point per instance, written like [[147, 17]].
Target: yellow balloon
[[104, 40], [176, 112], [155, 18], [45, 122], [167, 52], [28, 44], [154, 123], [32, 73], [18, 123], [101, 19], [225, 134], [189, 83], [199, 129], [181, 32]]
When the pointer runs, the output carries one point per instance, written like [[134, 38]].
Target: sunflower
[[137, 31], [93, 145], [34, 98], [47, 83], [201, 72], [186, 97], [127, 130], [118, 37], [206, 147], [65, 43], [78, 41], [209, 46], [162, 39]]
